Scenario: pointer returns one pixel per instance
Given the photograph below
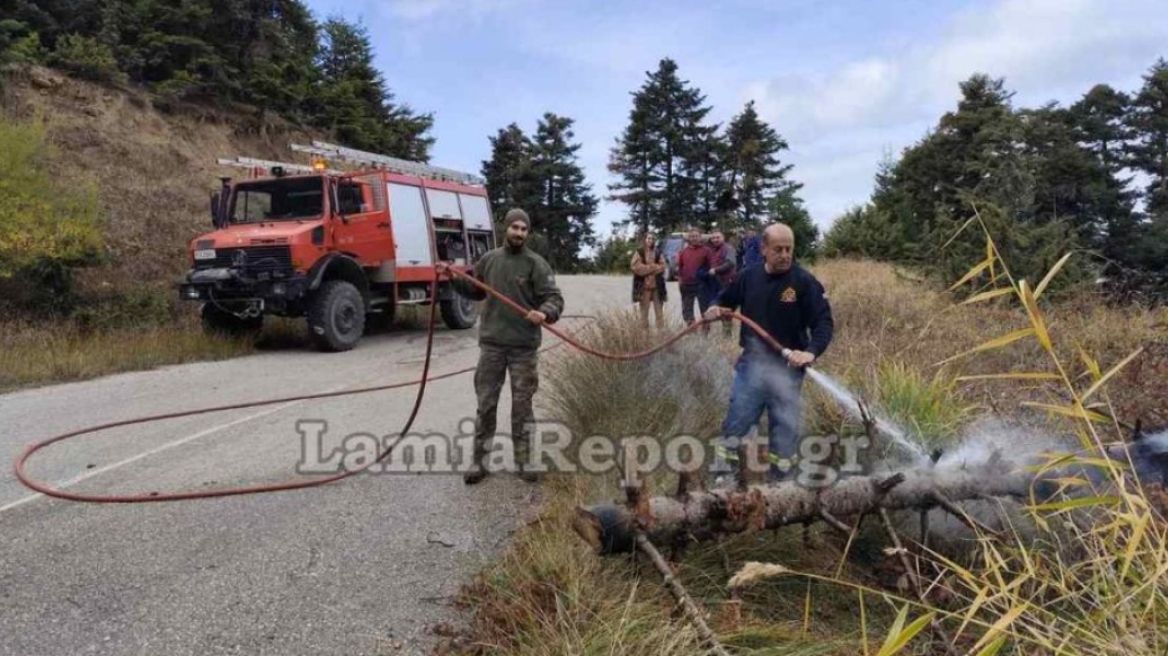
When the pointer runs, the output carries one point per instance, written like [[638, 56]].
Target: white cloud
[[1046, 50], [804, 107], [1047, 44]]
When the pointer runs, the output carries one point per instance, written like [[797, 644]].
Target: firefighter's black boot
[[478, 470]]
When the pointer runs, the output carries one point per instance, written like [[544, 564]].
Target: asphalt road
[[363, 566]]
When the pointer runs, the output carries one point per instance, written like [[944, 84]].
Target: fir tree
[[755, 169], [1149, 125], [541, 175], [663, 152], [567, 206], [355, 102], [510, 173]]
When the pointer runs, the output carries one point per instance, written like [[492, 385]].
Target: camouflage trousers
[[494, 364]]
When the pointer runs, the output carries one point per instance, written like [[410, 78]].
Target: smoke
[[993, 439], [999, 447], [992, 446], [1148, 455], [694, 375]]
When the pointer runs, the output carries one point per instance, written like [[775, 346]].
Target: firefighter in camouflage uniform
[[509, 342]]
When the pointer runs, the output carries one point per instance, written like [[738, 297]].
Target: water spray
[[851, 404]]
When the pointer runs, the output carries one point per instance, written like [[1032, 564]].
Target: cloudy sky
[[846, 82]]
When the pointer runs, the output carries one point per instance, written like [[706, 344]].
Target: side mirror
[[215, 201]]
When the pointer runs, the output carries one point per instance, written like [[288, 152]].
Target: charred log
[[705, 515]]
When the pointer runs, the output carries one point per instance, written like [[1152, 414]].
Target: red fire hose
[[47, 490]]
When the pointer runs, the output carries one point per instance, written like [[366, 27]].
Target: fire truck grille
[[258, 259]]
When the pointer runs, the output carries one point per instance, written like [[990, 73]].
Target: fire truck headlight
[[279, 289], [191, 293]]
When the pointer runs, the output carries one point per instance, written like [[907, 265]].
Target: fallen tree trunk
[[705, 515]]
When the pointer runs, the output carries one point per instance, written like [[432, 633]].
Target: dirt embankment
[[153, 164]]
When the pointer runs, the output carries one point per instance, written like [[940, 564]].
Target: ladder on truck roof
[[267, 165], [333, 152]]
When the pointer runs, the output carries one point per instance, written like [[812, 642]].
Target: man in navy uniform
[[790, 304]]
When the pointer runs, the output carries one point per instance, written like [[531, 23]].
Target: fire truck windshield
[[282, 199]]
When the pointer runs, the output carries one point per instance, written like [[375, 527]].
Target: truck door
[[365, 230]]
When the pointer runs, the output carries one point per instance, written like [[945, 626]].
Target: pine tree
[[354, 101], [567, 206], [1099, 124], [704, 177], [662, 152], [1149, 153], [277, 54], [1022, 173], [1066, 174], [1149, 125], [755, 169], [510, 173], [634, 159], [970, 156], [541, 175]]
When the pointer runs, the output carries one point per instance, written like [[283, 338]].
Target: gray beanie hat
[[516, 215]]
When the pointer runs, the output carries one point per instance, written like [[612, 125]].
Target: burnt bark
[[705, 515]]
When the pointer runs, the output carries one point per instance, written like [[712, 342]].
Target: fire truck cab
[[342, 249]]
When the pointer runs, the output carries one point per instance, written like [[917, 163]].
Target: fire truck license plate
[[206, 254]]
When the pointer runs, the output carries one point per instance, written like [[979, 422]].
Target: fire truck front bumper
[[229, 285]]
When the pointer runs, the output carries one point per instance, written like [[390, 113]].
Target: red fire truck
[[342, 248]]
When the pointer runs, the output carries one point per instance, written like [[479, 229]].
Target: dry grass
[[39, 353], [550, 595], [888, 322], [33, 355]]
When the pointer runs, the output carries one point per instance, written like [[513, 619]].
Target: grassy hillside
[[152, 169]]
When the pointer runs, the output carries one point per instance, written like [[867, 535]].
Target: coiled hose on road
[[48, 490]]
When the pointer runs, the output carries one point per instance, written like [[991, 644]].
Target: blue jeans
[[766, 381]]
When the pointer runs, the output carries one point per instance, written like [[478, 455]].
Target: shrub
[[47, 226], [86, 57], [18, 44]]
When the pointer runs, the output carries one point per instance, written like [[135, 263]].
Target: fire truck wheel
[[336, 316], [459, 313], [221, 323]]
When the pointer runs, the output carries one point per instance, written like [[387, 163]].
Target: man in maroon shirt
[[722, 270], [693, 265]]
